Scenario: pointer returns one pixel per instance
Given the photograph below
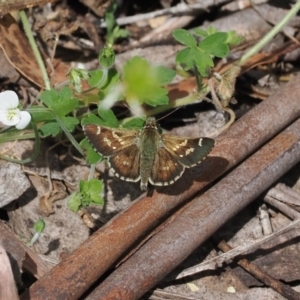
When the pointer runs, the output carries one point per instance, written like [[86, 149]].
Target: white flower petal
[[2, 115], [25, 119], [8, 100], [10, 117]]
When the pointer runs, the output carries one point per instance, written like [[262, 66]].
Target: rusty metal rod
[[110, 243], [207, 213]]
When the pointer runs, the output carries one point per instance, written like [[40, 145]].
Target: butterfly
[[146, 154]]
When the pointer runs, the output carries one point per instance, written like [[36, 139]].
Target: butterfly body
[[149, 141], [146, 154]]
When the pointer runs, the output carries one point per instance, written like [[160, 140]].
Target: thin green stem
[[198, 79], [35, 49], [62, 125], [92, 172], [35, 152], [277, 28], [4, 138], [67, 133], [99, 84]]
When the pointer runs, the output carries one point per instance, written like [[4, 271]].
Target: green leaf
[[109, 118], [203, 62], [204, 33], [61, 103], [70, 122], [193, 56], [91, 156], [51, 128], [74, 202], [200, 32], [113, 77], [89, 192], [93, 189], [40, 115], [142, 81], [96, 77], [221, 51], [215, 44], [107, 57], [158, 98], [65, 104], [184, 37], [49, 97], [92, 119], [186, 58], [120, 33], [211, 30], [39, 226], [65, 94], [233, 38], [164, 75], [135, 123]]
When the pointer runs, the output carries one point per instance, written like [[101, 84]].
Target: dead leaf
[[13, 5], [18, 51]]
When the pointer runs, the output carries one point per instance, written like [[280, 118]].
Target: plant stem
[[277, 28], [62, 125], [35, 152], [35, 49], [198, 79]]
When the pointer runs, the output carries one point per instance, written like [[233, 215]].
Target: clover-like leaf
[[60, 102], [50, 128], [135, 123], [108, 117], [184, 37], [215, 44], [74, 201], [89, 192], [142, 82]]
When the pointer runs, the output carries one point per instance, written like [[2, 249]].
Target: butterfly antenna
[[148, 116], [168, 114]]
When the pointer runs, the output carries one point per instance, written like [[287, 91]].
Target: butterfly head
[[150, 123]]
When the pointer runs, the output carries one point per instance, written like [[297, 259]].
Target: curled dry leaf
[[17, 50]]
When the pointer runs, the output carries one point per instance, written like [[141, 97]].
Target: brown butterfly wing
[[126, 163], [166, 169], [188, 151], [120, 148], [108, 141]]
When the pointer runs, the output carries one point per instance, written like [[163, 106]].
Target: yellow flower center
[[12, 113]]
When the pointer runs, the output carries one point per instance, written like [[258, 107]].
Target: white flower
[[10, 114]]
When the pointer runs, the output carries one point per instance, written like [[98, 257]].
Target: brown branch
[[268, 280], [7, 283], [23, 255]]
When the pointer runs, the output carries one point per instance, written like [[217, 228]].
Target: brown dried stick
[[206, 214], [278, 286], [7, 283], [87, 263], [23, 255]]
